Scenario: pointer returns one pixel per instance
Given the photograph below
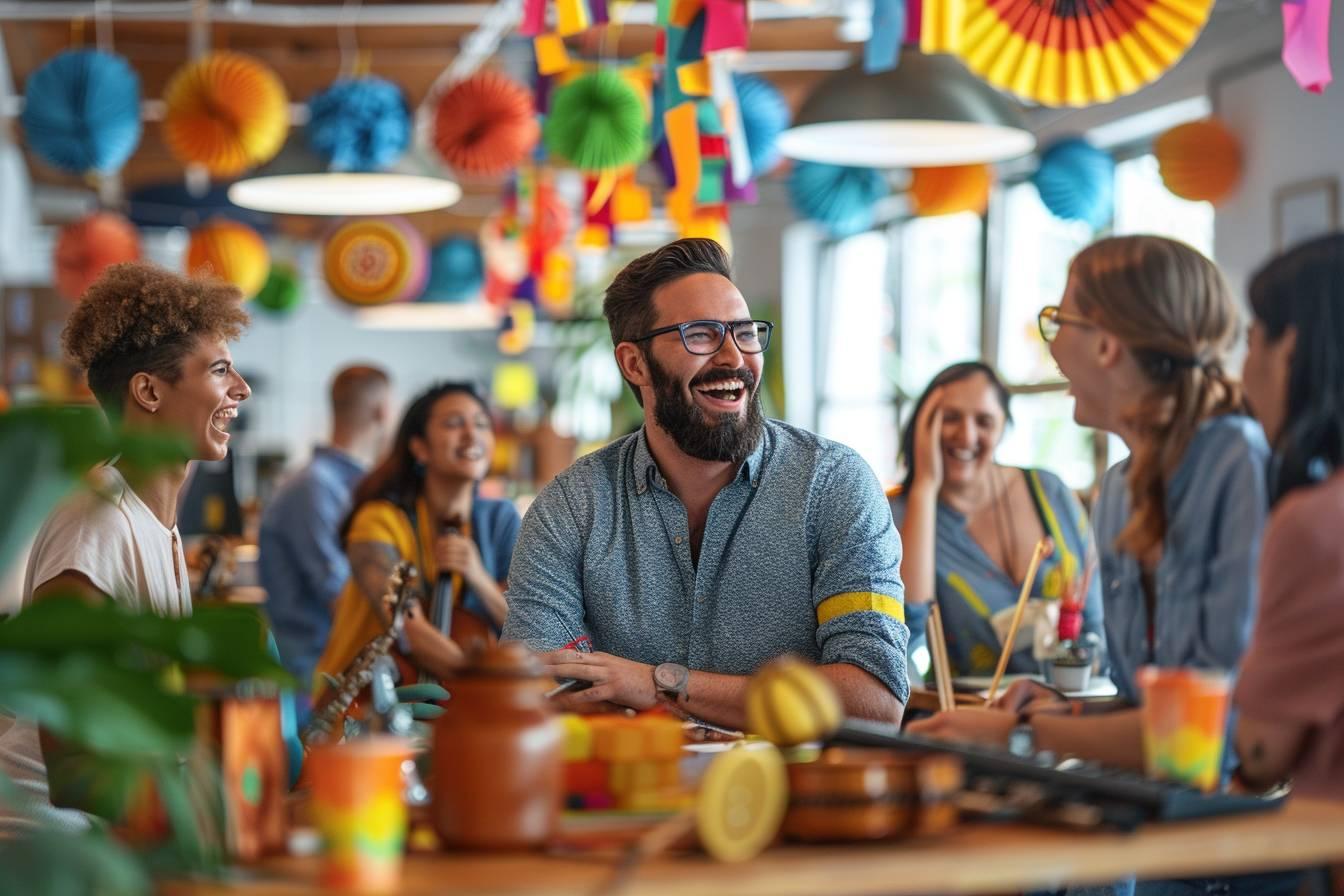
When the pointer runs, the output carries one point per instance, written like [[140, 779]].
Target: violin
[[470, 629], [869, 794]]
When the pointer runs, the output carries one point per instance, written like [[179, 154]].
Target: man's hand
[[615, 680], [989, 727]]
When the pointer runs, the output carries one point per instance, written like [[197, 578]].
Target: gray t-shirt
[[799, 555]]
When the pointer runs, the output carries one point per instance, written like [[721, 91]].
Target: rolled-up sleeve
[[545, 593], [856, 582]]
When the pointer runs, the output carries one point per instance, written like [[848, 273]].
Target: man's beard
[[729, 438]]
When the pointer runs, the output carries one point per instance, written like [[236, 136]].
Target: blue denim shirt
[[301, 561], [799, 555], [971, 587], [1206, 579]]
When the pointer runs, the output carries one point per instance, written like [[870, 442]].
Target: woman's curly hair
[[140, 318]]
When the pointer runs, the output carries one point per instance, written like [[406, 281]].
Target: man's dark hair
[[628, 306]]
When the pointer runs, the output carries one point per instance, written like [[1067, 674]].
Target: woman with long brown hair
[[1142, 333], [420, 505]]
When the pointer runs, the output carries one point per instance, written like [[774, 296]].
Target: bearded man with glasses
[[712, 540]]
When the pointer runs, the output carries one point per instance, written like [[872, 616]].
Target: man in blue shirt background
[[302, 562]]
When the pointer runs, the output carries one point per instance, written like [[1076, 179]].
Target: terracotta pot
[[498, 772]]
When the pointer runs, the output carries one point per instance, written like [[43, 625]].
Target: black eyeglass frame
[[724, 328]]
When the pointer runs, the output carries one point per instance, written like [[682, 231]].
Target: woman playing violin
[[420, 505]]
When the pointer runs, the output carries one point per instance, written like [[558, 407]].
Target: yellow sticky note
[[709, 227], [693, 78], [683, 138], [594, 236], [632, 203], [573, 16], [683, 12], [680, 205], [552, 57]]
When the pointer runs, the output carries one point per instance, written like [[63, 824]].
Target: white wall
[[1287, 136]]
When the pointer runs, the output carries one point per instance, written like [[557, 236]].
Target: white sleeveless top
[[108, 535]]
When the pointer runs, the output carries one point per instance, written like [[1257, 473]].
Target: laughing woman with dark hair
[[970, 525], [1291, 689]]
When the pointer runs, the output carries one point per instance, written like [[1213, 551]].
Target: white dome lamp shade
[[296, 182], [928, 111]]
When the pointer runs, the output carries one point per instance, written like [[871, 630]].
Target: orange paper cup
[[1184, 724], [358, 808]]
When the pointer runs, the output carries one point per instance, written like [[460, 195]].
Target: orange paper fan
[[485, 125], [226, 112], [1073, 53]]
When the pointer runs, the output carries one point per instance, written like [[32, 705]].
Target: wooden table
[[977, 858]]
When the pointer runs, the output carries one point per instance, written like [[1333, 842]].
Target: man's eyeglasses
[[705, 337], [1052, 318]]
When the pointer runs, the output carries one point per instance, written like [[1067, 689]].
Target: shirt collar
[[646, 471], [331, 452]]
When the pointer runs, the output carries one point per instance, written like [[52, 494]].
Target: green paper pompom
[[597, 122], [281, 294]]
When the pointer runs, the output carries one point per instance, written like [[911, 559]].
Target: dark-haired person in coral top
[[1290, 693]]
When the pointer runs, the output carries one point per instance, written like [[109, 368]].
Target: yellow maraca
[[789, 702]]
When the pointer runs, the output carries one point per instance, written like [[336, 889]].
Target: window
[[940, 280], [1144, 205], [1037, 248]]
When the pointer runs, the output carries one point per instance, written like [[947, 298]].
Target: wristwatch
[[670, 680], [1022, 739]]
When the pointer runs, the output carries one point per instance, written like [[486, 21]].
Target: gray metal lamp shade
[[928, 111]]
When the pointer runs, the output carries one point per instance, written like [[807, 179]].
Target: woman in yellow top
[[420, 505]]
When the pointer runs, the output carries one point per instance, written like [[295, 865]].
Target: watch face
[[669, 676]]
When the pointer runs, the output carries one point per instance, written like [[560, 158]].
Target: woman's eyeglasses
[[705, 337], [1052, 318]]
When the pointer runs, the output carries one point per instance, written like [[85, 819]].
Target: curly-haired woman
[[155, 346]]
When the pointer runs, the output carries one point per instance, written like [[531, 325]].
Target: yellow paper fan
[[1077, 52]]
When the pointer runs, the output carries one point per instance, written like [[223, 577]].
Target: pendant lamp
[[928, 111]]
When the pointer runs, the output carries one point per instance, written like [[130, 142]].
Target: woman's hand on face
[[929, 441]]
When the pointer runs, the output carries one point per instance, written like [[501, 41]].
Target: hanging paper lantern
[[1063, 53], [81, 111], [90, 245], [373, 261], [1077, 182], [281, 293], [225, 112], [598, 121], [514, 385], [231, 252], [485, 125], [359, 124], [765, 115], [951, 189], [1199, 160], [838, 197], [456, 271]]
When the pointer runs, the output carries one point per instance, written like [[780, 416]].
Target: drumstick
[[938, 654], [1043, 550]]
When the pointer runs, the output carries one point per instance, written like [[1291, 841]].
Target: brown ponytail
[[1173, 310]]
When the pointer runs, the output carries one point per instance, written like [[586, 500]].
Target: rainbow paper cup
[[358, 808], [1184, 724]]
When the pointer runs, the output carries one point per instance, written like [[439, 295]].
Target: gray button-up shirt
[[799, 555]]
